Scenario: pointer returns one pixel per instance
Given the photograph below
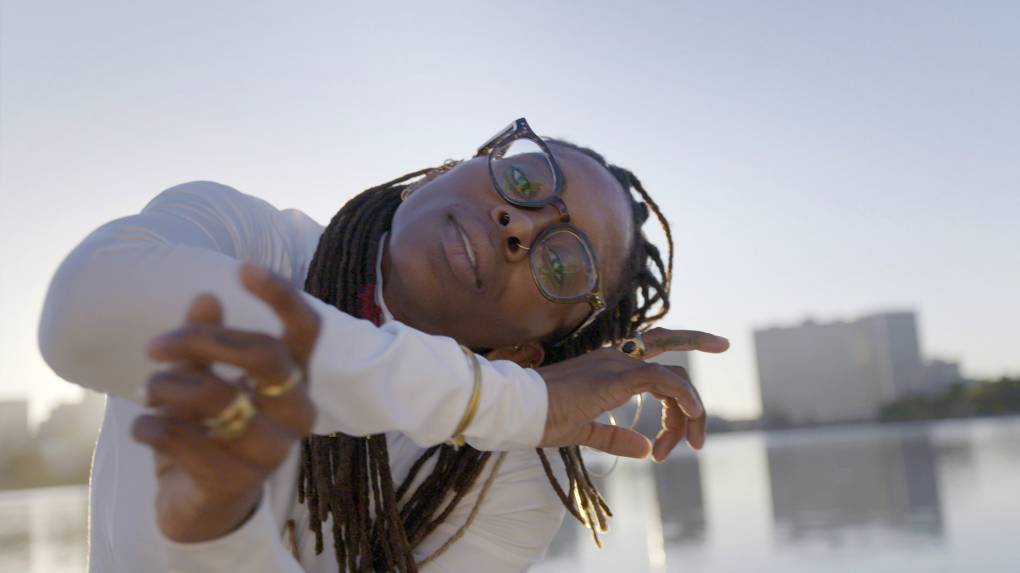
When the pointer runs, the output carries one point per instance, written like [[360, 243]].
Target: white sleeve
[[255, 547], [133, 278]]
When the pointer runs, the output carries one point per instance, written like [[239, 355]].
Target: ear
[[527, 355]]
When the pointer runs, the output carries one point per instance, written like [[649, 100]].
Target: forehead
[[599, 206]]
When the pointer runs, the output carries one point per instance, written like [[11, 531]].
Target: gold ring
[[633, 347], [281, 388], [233, 420]]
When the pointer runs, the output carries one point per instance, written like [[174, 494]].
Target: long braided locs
[[376, 524]]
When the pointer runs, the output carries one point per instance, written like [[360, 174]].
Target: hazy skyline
[[815, 159]]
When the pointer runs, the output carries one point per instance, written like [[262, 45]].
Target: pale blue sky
[[815, 158]]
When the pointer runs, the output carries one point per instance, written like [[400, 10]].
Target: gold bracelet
[[476, 392]]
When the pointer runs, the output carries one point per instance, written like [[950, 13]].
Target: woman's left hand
[[209, 482]]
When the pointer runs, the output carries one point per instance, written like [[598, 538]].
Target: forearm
[[111, 296], [133, 279], [425, 383]]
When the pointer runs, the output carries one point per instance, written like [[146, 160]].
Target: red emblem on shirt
[[367, 308]]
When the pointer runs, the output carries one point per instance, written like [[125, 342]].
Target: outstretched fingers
[[204, 309], [674, 429], [260, 355], [187, 444], [615, 440], [300, 321], [670, 381], [659, 340]]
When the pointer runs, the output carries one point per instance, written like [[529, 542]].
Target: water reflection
[[834, 488], [681, 502], [14, 538], [938, 497], [43, 531]]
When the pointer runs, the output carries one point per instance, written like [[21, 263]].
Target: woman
[[531, 251]]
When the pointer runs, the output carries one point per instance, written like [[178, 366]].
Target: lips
[[469, 250], [461, 255]]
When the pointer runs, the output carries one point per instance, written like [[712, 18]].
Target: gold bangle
[[476, 392]]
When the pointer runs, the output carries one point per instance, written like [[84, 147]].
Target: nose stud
[[516, 243], [504, 219]]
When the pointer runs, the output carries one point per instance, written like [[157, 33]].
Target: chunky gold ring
[[281, 388], [633, 347], [233, 420]]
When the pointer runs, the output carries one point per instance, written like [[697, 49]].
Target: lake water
[[915, 497], [43, 530]]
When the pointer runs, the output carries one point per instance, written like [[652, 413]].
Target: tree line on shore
[[990, 398]]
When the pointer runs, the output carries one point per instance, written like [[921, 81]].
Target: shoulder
[[203, 194], [244, 225], [227, 200]]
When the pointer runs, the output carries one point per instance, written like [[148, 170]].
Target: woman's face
[[430, 283]]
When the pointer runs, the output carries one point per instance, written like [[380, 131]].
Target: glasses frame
[[520, 129]]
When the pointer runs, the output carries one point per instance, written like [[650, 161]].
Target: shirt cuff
[[511, 409], [367, 380], [255, 546]]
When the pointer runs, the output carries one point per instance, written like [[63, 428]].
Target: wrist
[[210, 520]]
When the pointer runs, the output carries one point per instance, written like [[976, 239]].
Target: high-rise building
[[896, 352], [840, 371], [68, 436]]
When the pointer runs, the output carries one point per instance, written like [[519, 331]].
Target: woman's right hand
[[583, 388], [208, 484]]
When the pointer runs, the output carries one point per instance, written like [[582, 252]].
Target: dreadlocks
[[375, 525]]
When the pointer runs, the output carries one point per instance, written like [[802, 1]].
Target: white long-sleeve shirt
[[133, 278]]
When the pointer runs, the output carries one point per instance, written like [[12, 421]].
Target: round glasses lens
[[563, 266], [523, 171]]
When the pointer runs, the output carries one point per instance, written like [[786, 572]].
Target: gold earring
[[432, 174]]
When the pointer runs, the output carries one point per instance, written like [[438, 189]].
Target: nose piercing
[[516, 243]]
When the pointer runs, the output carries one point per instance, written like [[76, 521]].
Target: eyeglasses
[[563, 264]]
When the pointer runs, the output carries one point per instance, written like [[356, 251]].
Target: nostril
[[504, 219], [515, 245]]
